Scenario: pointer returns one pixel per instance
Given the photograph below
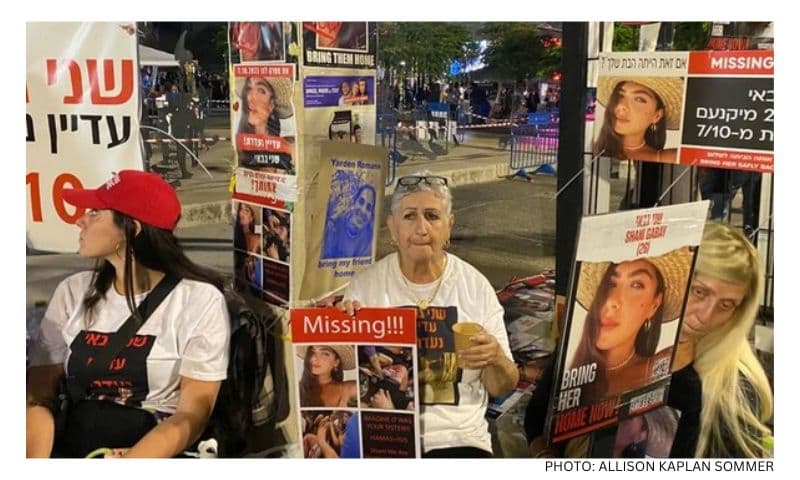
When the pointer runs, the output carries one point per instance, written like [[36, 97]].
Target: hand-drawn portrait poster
[[343, 192]]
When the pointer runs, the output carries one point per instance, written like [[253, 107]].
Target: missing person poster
[[627, 294], [356, 382], [700, 108], [81, 120], [343, 197], [339, 44], [261, 251], [263, 118]]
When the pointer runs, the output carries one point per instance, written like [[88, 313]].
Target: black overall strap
[[77, 388]]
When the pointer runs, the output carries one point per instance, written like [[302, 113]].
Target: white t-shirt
[[453, 401], [187, 335]]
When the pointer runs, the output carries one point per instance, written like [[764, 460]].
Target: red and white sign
[[717, 108], [82, 119]]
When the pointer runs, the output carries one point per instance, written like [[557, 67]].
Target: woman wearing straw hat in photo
[[626, 305], [266, 109], [322, 383], [638, 113]]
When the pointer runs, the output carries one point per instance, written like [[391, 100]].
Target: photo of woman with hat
[[638, 113], [266, 109], [626, 305], [322, 382]]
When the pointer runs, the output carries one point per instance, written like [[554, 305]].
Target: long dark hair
[[239, 234], [610, 143], [644, 345], [309, 386], [273, 121], [153, 248]]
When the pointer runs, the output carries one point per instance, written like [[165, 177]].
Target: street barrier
[[533, 147]]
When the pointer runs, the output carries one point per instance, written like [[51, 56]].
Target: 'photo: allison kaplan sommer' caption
[[759, 465]]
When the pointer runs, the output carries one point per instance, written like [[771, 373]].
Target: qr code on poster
[[660, 368]]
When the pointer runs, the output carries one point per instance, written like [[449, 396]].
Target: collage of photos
[[356, 401], [262, 248]]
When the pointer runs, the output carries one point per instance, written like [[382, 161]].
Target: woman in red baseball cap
[[157, 393]]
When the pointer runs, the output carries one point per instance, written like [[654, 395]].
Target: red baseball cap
[[140, 195]]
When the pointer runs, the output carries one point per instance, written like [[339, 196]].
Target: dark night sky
[[200, 39]]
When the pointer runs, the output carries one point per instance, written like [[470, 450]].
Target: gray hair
[[441, 191]]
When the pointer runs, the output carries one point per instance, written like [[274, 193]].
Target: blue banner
[[338, 91]]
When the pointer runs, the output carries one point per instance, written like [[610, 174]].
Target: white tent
[[156, 58]]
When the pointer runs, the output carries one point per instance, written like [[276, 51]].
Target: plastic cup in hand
[[462, 332]]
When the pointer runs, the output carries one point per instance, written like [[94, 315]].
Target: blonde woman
[[736, 399], [717, 384]]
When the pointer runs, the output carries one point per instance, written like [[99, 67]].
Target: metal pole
[[569, 204]]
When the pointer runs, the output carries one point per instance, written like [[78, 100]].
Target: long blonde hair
[[731, 423]]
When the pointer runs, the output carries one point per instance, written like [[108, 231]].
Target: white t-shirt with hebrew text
[[187, 335], [453, 400]]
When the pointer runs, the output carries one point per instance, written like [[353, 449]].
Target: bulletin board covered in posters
[[368, 405], [81, 118], [342, 199], [627, 295], [701, 108]]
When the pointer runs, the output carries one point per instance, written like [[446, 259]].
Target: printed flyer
[[627, 294], [262, 251], [700, 108], [357, 382], [343, 199]]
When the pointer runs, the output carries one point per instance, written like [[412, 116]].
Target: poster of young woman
[[627, 294], [356, 382], [264, 128], [702, 108]]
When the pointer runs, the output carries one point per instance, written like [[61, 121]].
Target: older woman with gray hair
[[454, 384]]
